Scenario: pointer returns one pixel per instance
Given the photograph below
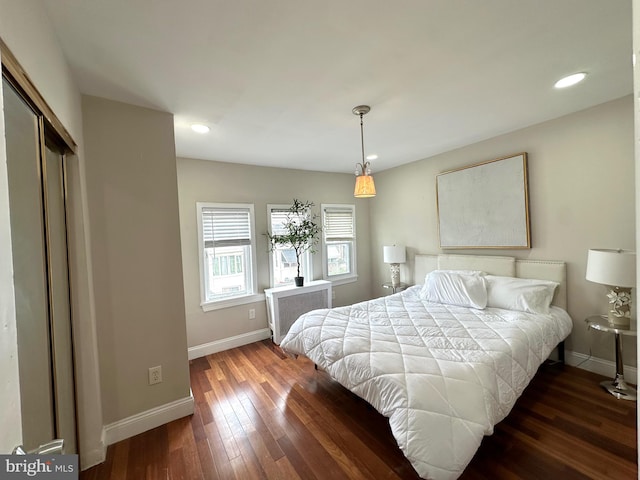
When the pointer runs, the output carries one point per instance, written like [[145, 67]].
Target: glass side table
[[616, 387], [397, 288]]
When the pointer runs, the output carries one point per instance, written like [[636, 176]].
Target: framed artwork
[[485, 205]]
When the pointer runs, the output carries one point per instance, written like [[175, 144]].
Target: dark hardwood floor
[[260, 414]]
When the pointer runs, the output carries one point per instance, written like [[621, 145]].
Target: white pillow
[[461, 288], [524, 294]]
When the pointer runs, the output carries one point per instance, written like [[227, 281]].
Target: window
[[339, 242], [227, 254], [282, 262]]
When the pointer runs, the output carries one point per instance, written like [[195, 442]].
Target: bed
[[443, 373]]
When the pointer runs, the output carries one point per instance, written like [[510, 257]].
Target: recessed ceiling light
[[199, 128], [570, 80], [373, 156]]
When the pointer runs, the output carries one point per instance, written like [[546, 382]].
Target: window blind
[[278, 217], [338, 224], [226, 227]]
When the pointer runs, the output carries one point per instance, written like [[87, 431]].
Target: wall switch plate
[[155, 375]]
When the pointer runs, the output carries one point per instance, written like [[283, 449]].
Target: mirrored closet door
[[37, 202]]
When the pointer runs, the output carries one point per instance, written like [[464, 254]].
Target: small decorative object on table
[[394, 255], [617, 270], [616, 387]]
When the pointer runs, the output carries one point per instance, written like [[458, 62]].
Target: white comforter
[[443, 375]]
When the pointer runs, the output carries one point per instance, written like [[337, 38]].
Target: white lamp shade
[[616, 268], [394, 254]]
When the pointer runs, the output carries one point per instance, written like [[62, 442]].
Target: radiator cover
[[286, 304]]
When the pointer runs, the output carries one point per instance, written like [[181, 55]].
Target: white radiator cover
[[286, 304]]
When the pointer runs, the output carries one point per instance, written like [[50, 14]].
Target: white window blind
[[278, 218], [338, 224], [226, 227]]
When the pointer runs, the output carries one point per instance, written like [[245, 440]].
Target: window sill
[[343, 280], [232, 302]]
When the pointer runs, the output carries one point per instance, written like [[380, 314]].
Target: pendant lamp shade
[[365, 187]]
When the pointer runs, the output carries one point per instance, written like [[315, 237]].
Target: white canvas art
[[485, 205]]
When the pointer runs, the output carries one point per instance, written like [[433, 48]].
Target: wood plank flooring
[[262, 415]]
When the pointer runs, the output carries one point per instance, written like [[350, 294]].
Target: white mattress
[[443, 375]]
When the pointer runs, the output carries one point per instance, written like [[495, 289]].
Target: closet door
[[35, 168], [29, 269], [59, 296]]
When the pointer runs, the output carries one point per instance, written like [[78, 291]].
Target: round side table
[[616, 387], [395, 288]]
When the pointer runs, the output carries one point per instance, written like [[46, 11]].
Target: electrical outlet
[[333, 294], [252, 313], [155, 375]]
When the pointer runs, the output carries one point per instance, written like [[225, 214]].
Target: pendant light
[[365, 187]]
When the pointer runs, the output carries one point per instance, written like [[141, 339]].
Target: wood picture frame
[[485, 205]]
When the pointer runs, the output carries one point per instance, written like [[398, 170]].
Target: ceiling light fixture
[[570, 80], [365, 187], [199, 128]]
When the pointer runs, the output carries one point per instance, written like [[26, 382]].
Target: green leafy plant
[[302, 231]]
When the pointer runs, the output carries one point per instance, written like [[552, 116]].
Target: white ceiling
[[276, 80]]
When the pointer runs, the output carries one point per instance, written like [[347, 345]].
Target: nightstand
[[398, 288], [616, 387]]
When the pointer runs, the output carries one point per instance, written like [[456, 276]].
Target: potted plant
[[301, 233]]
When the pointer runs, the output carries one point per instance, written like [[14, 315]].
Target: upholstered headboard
[[496, 265]]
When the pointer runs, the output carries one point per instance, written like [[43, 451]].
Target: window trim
[[307, 258], [208, 305], [353, 275]]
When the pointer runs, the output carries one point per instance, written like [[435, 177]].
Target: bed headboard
[[496, 265]]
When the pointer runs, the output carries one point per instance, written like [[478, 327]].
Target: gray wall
[[581, 193], [135, 248], [206, 181]]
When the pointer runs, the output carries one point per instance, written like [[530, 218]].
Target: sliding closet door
[[61, 335], [37, 207], [29, 267]]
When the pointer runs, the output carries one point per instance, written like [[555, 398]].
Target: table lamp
[[617, 270], [394, 255]]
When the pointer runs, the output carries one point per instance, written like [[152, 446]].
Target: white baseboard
[[228, 343], [600, 366], [141, 422]]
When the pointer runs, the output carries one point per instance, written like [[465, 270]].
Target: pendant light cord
[[362, 139], [364, 164]]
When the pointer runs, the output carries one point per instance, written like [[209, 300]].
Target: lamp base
[[619, 389], [395, 274], [619, 307]]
